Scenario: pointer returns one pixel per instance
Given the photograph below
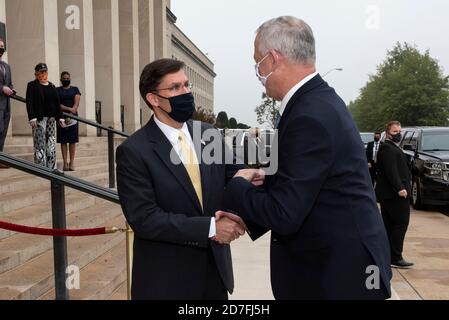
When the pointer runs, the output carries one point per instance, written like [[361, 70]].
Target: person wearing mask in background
[[393, 192], [372, 149], [6, 90], [69, 97], [44, 111], [172, 199]]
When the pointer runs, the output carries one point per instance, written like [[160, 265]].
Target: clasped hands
[[230, 227]]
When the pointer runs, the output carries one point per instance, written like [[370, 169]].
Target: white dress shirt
[[293, 90], [172, 135]]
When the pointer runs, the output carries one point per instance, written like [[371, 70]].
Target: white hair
[[290, 36]]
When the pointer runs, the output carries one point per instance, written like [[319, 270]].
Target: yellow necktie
[[191, 165]]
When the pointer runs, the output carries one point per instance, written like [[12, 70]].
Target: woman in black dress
[[70, 101]]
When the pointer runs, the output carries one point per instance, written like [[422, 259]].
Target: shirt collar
[[293, 90], [171, 133]]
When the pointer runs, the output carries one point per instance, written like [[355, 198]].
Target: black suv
[[427, 150]]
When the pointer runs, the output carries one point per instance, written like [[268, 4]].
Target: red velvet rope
[[55, 232]]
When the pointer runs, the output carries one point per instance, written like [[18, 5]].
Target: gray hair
[[290, 36]]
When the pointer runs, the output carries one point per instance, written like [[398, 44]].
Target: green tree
[[233, 123], [266, 111], [222, 120], [204, 115], [409, 87], [243, 126]]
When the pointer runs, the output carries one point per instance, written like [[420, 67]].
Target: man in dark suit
[[372, 149], [328, 240], [170, 197], [393, 192], [6, 90]]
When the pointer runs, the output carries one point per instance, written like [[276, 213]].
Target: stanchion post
[[59, 243], [111, 159]]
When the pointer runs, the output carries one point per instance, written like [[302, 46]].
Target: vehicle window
[[414, 140], [407, 136], [436, 141], [367, 137]]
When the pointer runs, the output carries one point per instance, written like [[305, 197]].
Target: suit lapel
[[163, 149]]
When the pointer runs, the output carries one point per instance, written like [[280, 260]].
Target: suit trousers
[[373, 173], [214, 288], [396, 217], [5, 117]]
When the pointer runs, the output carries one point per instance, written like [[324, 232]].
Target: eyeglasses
[[177, 87]]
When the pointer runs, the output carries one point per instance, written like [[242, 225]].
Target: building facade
[[104, 44]]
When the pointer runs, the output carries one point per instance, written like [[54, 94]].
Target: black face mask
[[65, 83], [376, 139], [182, 107], [2, 51], [396, 138]]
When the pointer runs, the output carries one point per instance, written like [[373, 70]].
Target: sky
[[351, 34]]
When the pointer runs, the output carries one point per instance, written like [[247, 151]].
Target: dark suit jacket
[[393, 172], [171, 231], [5, 80], [369, 151], [39, 106], [320, 205]]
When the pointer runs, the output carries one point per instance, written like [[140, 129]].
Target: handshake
[[230, 227]]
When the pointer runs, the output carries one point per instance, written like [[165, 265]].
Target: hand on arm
[[255, 176]]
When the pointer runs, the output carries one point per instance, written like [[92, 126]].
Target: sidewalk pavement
[[426, 244]]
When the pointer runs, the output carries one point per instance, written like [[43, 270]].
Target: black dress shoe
[[4, 166], [402, 264]]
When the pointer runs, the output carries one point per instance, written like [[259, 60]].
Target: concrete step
[[21, 248], [40, 214], [29, 156], [121, 293], [28, 182], [18, 200], [29, 140], [18, 149], [34, 278], [101, 278]]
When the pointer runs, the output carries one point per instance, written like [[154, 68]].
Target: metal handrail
[[58, 182], [59, 177], [111, 132]]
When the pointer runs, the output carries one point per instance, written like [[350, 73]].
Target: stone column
[[107, 60], [32, 38], [129, 63], [76, 47], [146, 48], [160, 29]]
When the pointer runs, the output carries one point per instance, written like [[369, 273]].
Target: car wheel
[[416, 195]]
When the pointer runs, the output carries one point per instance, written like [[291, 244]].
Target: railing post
[[111, 159], [59, 243]]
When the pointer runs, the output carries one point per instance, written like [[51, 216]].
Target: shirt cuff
[[35, 119], [212, 229]]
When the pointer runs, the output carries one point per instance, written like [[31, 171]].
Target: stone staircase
[[26, 261]]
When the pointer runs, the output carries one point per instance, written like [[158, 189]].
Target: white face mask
[[262, 79]]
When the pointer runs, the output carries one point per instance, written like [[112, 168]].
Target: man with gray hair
[[328, 240]]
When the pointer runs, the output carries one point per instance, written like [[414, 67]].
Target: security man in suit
[[172, 199], [6, 90], [328, 240], [393, 192], [372, 149]]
